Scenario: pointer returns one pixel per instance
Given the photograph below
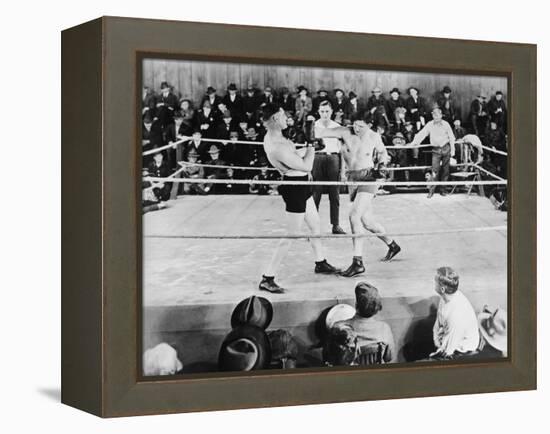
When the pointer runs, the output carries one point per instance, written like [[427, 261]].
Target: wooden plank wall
[[191, 78]]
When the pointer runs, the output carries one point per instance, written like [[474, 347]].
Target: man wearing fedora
[[233, 101], [446, 104], [455, 331], [286, 100], [212, 97], [416, 108], [167, 104], [493, 326], [194, 171], [303, 105], [341, 107], [159, 169], [442, 140], [393, 103], [376, 106], [496, 108], [206, 119]]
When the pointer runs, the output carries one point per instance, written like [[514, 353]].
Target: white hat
[[339, 312]]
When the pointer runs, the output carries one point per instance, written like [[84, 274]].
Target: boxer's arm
[[383, 155], [332, 133], [293, 161]]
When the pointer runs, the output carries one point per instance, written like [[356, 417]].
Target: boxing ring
[[204, 254]]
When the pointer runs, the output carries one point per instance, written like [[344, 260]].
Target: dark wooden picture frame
[[101, 237]]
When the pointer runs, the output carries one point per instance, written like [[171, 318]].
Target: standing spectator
[[409, 133], [442, 140], [167, 104], [392, 104], [327, 165], [173, 133], [159, 169], [369, 329], [416, 108], [446, 104], [496, 139], [303, 106], [287, 101], [459, 133], [233, 101], [478, 115], [206, 120], [496, 108], [212, 97], [455, 331], [376, 106], [268, 97], [226, 126]]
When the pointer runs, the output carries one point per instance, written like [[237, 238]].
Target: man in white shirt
[[326, 166], [442, 139], [455, 331]]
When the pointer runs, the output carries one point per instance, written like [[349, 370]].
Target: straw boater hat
[[256, 311], [339, 312], [493, 327], [245, 348]]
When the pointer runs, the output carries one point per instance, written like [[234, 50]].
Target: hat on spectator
[[210, 90], [493, 326], [481, 94], [268, 89], [232, 86], [161, 360], [322, 90], [398, 139], [284, 349], [338, 312], [147, 118], [256, 311], [285, 90], [395, 90], [226, 114], [164, 85], [377, 90], [192, 153], [214, 149], [411, 88], [339, 90], [301, 88], [352, 95], [498, 92], [245, 348], [447, 89]]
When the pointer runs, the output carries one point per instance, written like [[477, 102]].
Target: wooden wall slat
[[191, 78]]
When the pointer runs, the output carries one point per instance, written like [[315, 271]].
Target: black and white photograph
[[315, 217]]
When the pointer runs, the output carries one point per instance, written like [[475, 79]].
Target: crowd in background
[[234, 117]]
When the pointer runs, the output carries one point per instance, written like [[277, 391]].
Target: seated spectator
[[376, 106], [356, 107], [216, 173], [149, 201], [496, 139], [416, 108], [408, 134], [287, 101], [261, 189], [206, 119], [303, 105], [251, 104], [167, 104], [188, 114], [401, 155], [151, 136], [256, 152], [149, 101], [159, 169], [233, 101], [292, 133], [226, 126], [194, 171], [367, 328], [455, 332], [199, 145], [493, 327], [174, 133], [211, 96], [268, 97], [341, 347], [392, 104], [341, 108]]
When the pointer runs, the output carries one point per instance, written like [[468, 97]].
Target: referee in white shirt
[[327, 165]]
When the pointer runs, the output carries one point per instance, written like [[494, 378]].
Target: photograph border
[[119, 389]]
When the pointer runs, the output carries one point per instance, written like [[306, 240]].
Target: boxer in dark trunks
[[361, 152], [294, 165]]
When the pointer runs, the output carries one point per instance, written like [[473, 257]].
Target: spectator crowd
[[171, 118]]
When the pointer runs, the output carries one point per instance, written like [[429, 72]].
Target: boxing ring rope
[[329, 236], [334, 183]]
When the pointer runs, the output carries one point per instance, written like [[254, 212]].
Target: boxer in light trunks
[[361, 152], [294, 165]]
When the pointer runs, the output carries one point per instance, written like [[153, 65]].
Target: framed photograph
[[259, 216]]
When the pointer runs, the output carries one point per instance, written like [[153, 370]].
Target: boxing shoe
[[337, 230], [354, 269], [324, 267], [393, 250], [268, 284]]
